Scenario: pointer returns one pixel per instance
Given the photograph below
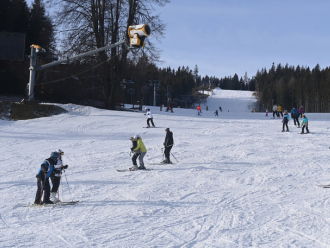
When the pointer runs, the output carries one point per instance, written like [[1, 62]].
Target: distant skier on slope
[[304, 124], [295, 116], [168, 144], [285, 121], [56, 176], [139, 150], [46, 169], [150, 117], [199, 110]]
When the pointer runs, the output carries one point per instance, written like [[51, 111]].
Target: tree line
[[292, 86]]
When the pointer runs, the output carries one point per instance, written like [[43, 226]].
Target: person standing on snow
[[56, 176], [168, 144], [199, 110], [295, 116], [150, 117], [139, 150], [304, 124], [43, 175], [274, 110], [285, 121], [301, 111]]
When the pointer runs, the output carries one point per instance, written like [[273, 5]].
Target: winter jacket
[[301, 111], [57, 168], [149, 114], [286, 118], [274, 108], [294, 113], [279, 108], [47, 167], [139, 147], [168, 139], [305, 122]]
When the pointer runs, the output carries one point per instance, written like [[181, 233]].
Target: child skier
[[139, 150], [285, 121], [304, 124], [42, 176]]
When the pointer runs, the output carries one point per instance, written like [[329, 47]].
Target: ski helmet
[[167, 129], [136, 137], [59, 151], [54, 155]]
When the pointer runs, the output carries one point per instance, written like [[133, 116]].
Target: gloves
[[65, 166]]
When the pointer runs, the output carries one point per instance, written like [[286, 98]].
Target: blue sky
[[238, 36], [224, 37]]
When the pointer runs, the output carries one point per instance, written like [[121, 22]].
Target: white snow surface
[[237, 180]]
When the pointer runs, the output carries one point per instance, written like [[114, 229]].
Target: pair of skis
[[53, 205]]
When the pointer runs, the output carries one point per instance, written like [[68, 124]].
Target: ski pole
[[68, 185], [175, 158]]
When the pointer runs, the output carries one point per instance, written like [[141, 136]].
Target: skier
[[285, 121], [56, 176], [274, 110], [295, 116], [43, 175], [168, 144], [301, 111], [216, 113], [279, 111], [150, 117], [199, 110], [304, 124], [139, 150]]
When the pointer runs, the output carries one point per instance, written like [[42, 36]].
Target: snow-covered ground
[[237, 180]]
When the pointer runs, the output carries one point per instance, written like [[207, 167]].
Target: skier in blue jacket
[[45, 171]]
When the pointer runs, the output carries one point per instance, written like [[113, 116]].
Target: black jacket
[[168, 139]]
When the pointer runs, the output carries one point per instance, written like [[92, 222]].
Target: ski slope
[[237, 180]]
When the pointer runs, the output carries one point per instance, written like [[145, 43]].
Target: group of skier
[[139, 150], [51, 168], [295, 116]]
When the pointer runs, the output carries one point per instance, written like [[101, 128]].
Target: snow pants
[[140, 156], [56, 183], [285, 124], [167, 153], [43, 186], [304, 128], [152, 122]]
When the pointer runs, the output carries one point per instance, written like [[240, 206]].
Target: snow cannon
[[137, 34]]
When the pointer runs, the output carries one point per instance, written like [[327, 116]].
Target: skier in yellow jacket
[[139, 150]]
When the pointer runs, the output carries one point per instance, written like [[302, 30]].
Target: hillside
[[236, 179]]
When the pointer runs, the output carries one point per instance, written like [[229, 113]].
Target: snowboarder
[[304, 124], [139, 150], [285, 121], [56, 176], [150, 117], [295, 116], [43, 175], [168, 144]]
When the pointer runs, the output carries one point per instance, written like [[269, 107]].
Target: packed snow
[[236, 179]]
